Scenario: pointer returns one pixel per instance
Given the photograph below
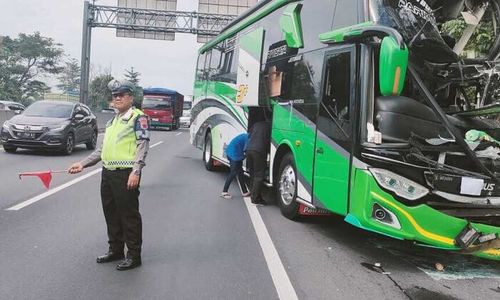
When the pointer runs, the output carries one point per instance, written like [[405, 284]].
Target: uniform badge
[[144, 123], [142, 128]]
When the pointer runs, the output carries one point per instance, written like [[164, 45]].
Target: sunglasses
[[119, 95]]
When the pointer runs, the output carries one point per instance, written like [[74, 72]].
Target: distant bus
[[352, 133], [164, 107]]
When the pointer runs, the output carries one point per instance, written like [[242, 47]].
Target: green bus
[[370, 117]]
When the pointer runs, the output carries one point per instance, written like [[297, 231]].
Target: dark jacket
[[260, 137]]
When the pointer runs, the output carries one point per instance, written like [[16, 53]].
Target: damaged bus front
[[430, 131], [377, 114]]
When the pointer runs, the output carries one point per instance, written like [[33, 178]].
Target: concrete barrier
[[6, 115]]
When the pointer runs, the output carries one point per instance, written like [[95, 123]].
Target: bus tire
[[208, 160], [286, 189]]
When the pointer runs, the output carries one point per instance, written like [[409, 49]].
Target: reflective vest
[[120, 143]]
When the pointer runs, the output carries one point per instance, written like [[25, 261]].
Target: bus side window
[[228, 59], [302, 84], [234, 64], [200, 67], [334, 111], [206, 68], [215, 62]]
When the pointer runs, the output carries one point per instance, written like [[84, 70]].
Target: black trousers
[[121, 210], [257, 165], [236, 171]]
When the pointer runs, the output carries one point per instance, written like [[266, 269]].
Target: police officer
[[123, 153]]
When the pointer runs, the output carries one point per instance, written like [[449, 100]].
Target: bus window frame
[[332, 51]]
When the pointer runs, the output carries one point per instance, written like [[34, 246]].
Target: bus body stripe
[[421, 230]]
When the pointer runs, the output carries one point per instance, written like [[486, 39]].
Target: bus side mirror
[[392, 67], [291, 26]]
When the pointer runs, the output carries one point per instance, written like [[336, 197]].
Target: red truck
[[163, 106]]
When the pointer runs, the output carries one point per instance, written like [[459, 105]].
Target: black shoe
[[129, 263], [259, 203], [109, 257]]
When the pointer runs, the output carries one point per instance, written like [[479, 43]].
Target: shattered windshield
[[415, 21]]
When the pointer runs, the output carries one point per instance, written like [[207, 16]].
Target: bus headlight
[[398, 184]]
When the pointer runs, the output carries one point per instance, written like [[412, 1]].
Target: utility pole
[[85, 62]]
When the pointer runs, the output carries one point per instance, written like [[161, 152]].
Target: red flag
[[45, 176]]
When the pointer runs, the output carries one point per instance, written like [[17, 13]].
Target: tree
[[132, 76], [69, 78], [35, 89], [23, 61], [480, 42], [99, 93]]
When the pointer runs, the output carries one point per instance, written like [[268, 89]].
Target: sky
[[161, 63]]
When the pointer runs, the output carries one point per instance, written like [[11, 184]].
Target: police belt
[[117, 169]]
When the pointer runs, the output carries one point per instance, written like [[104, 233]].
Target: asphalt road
[[200, 246]]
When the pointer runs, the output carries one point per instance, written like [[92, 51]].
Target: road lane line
[[60, 188], [53, 191], [179, 134], [156, 144], [280, 278]]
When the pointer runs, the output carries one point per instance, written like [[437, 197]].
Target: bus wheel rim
[[208, 149], [287, 185]]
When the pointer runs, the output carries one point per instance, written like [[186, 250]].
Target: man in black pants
[[258, 146], [123, 153]]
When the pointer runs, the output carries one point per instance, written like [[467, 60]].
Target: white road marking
[[156, 144], [53, 191], [179, 134], [61, 187], [280, 278]]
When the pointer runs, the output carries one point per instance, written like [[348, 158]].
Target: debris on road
[[376, 267], [439, 267]]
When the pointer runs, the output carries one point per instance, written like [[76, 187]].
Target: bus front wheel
[[287, 188], [207, 153]]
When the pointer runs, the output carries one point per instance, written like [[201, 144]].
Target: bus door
[[334, 130]]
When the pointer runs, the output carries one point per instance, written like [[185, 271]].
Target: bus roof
[[253, 15], [159, 91]]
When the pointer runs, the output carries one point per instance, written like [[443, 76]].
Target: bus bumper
[[378, 211]]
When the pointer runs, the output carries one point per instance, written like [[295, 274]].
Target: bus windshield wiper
[[444, 167]]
